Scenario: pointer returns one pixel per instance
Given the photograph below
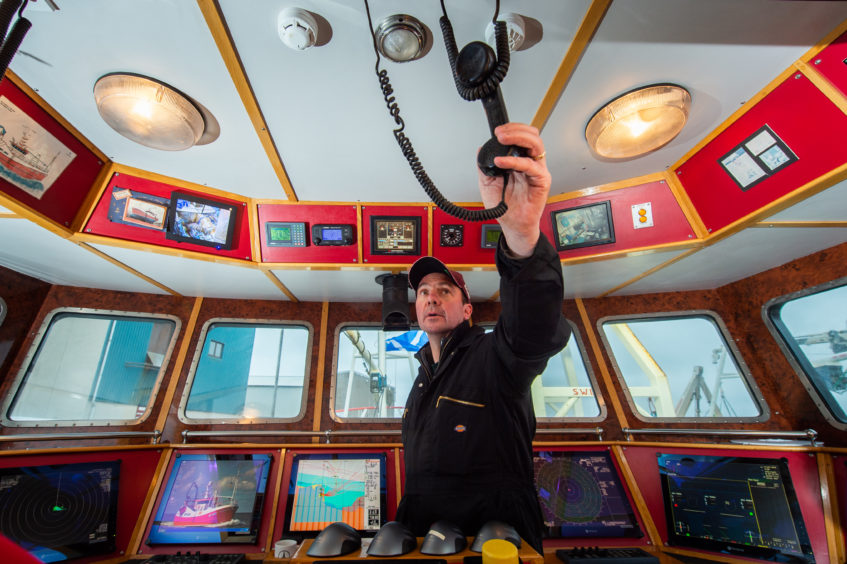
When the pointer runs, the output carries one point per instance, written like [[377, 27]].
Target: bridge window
[[375, 369], [248, 373], [811, 327], [681, 366], [92, 367]]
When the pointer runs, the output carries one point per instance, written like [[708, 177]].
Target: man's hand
[[527, 191]]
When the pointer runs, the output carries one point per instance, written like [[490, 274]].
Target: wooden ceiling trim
[[685, 204], [23, 211], [610, 187], [283, 288], [587, 28], [226, 46], [255, 233], [800, 224], [93, 197], [126, 267], [822, 84]]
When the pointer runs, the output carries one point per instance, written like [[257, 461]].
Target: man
[[469, 422]]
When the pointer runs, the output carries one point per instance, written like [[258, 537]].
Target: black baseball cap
[[428, 265]]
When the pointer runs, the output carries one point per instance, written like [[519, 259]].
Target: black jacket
[[468, 426]]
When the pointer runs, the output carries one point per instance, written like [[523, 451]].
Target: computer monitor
[[61, 511], [581, 495], [733, 505], [327, 487], [198, 220], [212, 499]]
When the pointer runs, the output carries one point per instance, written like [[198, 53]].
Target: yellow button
[[499, 551]]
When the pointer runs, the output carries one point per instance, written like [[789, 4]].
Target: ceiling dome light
[[639, 121], [297, 28], [148, 112], [401, 38]]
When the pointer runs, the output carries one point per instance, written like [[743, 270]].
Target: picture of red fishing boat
[[31, 158], [211, 509]]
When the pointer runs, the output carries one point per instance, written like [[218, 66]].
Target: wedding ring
[[539, 157]]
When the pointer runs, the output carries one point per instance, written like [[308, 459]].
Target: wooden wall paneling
[[89, 298], [23, 296]]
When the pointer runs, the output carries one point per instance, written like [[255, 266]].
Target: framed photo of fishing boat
[[31, 158], [138, 209]]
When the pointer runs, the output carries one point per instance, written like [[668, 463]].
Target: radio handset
[[475, 64]]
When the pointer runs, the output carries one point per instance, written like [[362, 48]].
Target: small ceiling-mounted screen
[[395, 235]]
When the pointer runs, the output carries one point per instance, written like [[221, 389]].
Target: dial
[[452, 235]]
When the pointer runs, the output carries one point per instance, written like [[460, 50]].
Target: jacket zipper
[[463, 402]]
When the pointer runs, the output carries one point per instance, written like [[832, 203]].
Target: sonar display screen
[[733, 505], [212, 498], [581, 495], [61, 511]]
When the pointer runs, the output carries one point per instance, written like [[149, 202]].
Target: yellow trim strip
[[822, 84], [179, 361], [604, 370], [688, 209], [25, 212], [278, 283], [647, 273], [319, 380], [217, 26], [128, 268], [829, 497], [801, 224], [587, 28], [276, 493], [398, 481], [454, 400], [635, 491], [10, 215], [360, 244], [93, 197], [149, 500]]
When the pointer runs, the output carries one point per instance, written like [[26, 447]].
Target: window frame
[[788, 349], [332, 389], [34, 347], [3, 310], [198, 354], [595, 387], [743, 369]]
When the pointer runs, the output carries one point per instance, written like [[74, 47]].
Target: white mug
[[285, 548]]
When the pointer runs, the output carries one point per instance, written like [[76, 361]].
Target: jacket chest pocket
[[463, 432]]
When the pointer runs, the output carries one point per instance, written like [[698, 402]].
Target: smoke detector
[[515, 31], [297, 28]]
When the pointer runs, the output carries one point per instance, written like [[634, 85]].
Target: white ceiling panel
[[164, 39], [829, 205], [201, 278], [688, 42], [739, 256], [37, 252], [590, 279], [325, 285]]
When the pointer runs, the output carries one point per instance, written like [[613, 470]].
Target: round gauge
[[452, 235]]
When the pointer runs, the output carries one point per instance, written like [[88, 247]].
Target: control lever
[[474, 65]]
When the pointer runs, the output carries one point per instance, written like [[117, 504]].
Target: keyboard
[[196, 558], [596, 555]]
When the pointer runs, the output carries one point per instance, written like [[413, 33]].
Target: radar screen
[[581, 495], [395, 235], [733, 505], [61, 511]]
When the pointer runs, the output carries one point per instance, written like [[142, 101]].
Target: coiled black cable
[[405, 143]]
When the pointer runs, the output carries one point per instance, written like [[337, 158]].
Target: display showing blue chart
[[733, 505], [581, 495]]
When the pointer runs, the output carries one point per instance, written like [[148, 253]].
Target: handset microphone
[[475, 64]]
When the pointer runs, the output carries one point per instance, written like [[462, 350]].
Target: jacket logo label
[[460, 428]]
